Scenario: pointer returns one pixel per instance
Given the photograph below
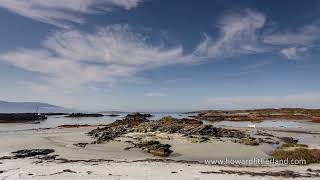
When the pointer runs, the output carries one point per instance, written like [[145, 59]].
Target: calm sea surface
[[54, 121]]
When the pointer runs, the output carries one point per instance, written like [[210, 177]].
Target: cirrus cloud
[[60, 12], [239, 34], [73, 58]]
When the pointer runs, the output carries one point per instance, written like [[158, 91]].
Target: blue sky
[[161, 55]]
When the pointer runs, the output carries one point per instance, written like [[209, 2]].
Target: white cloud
[[295, 42], [155, 94], [302, 36], [60, 12], [308, 99], [293, 52], [239, 35], [72, 58]]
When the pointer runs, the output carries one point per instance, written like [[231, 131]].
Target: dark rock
[[6, 157], [155, 148], [55, 114], [31, 152], [21, 117], [113, 115], [118, 128], [78, 115], [136, 117]]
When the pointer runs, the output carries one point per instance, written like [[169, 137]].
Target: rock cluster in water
[[77, 115], [20, 117]]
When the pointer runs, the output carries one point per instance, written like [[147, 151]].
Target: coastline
[[110, 161]]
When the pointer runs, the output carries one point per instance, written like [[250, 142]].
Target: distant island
[[259, 114], [31, 107]]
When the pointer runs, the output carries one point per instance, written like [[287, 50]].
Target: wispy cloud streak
[[60, 12]]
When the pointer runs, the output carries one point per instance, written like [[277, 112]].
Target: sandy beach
[[111, 161]]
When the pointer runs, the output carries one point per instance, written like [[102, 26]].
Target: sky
[[161, 55]]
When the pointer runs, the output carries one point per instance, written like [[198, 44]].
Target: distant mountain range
[[30, 107]]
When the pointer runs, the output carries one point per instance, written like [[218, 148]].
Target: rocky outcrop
[[259, 114], [118, 128], [139, 123]]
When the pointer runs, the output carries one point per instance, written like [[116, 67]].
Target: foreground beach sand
[[111, 161], [25, 169]]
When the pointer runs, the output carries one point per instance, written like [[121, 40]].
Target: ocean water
[[54, 121], [279, 123]]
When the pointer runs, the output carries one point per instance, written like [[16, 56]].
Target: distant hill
[[30, 107]]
